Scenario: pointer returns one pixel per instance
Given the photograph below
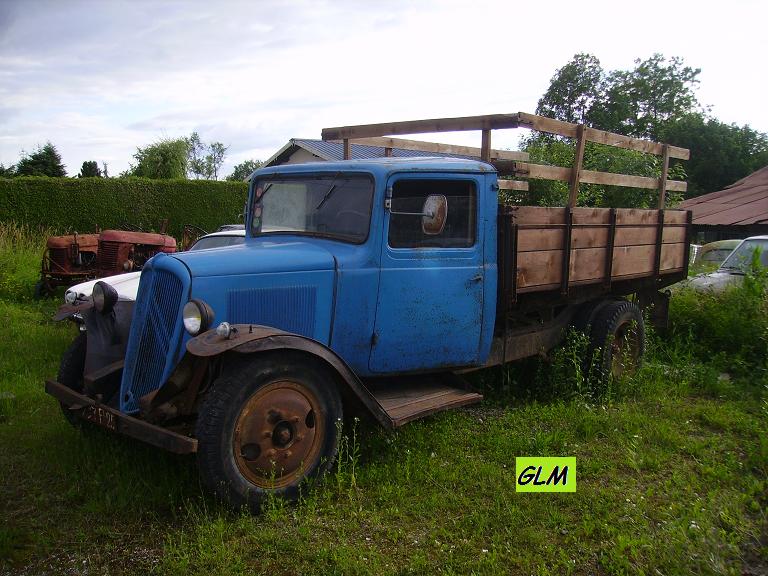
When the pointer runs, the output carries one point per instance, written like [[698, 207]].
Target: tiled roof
[[744, 202]]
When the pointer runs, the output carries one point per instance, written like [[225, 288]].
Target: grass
[[672, 464]]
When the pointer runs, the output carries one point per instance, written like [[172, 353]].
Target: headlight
[[70, 297], [104, 297], [198, 316]]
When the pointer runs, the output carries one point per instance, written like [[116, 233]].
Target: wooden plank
[[543, 172], [543, 268], [485, 146], [530, 240], [347, 149], [461, 124], [513, 185], [577, 162], [569, 130], [421, 146], [619, 141], [663, 178]]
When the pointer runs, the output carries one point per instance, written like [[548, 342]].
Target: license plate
[[100, 416]]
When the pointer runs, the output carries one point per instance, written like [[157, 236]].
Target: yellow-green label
[[551, 474]]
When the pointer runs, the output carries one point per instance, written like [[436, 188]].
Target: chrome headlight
[[198, 317], [70, 297], [104, 297]]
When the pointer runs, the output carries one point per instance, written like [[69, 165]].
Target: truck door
[[430, 304]]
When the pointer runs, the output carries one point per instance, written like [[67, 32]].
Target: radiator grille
[[108, 254], [151, 347], [289, 308]]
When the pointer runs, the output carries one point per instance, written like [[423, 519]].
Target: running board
[[408, 399]]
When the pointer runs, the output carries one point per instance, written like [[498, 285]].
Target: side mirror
[[434, 214]]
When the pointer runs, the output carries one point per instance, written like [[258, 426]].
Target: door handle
[[477, 278]]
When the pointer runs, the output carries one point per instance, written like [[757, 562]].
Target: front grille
[[108, 255], [152, 346]]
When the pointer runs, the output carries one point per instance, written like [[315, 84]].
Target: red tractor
[[67, 260], [121, 251], [75, 258]]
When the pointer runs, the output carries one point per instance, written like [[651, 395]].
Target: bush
[[67, 205]]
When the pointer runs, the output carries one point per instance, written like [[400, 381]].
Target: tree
[[7, 172], [243, 170], [573, 90], [89, 169], [721, 153], [643, 101], [165, 159], [45, 161], [214, 159], [204, 160]]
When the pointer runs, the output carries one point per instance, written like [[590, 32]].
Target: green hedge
[[81, 204]]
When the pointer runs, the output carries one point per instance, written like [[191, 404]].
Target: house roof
[[743, 202], [331, 151]]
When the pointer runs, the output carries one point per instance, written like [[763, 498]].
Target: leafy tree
[[7, 172], [165, 159], [721, 153], [205, 160], [89, 169], [573, 90], [196, 156], [641, 102], [104, 171], [243, 170], [45, 161], [214, 159]]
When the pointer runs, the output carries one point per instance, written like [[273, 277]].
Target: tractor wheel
[[617, 340], [71, 372], [265, 429]]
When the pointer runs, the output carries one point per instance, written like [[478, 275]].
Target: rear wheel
[[617, 340], [265, 429], [71, 371]]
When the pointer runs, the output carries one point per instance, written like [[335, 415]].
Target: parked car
[[128, 284], [710, 256], [735, 266]]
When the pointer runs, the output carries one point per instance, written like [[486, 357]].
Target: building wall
[[702, 233], [301, 156]]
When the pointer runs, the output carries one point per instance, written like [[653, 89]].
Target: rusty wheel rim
[[278, 434], [625, 350]]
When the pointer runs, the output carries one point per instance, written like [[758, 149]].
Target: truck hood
[[257, 256], [714, 281], [126, 285]]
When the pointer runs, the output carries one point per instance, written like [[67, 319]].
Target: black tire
[[617, 340], [282, 409], [71, 371]]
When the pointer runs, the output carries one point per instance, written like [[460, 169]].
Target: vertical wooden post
[[347, 149], [663, 179], [577, 162], [485, 147], [387, 152]]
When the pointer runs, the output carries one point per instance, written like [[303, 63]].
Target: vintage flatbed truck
[[366, 286]]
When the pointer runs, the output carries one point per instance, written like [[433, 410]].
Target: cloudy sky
[[99, 78]]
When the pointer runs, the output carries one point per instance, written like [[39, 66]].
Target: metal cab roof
[[382, 167]]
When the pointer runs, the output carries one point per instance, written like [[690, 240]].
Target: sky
[[100, 78]]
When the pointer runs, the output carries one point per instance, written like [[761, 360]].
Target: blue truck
[[365, 287]]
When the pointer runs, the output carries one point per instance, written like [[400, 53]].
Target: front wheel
[[617, 339], [71, 371], [266, 428]]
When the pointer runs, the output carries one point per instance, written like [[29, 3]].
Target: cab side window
[[405, 231]]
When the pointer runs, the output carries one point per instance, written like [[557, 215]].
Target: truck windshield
[[740, 259], [335, 206]]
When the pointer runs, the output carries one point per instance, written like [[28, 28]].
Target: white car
[[735, 266], [127, 285]]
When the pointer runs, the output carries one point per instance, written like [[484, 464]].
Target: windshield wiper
[[327, 195]]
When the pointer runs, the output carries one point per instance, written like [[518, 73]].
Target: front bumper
[[115, 421]]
